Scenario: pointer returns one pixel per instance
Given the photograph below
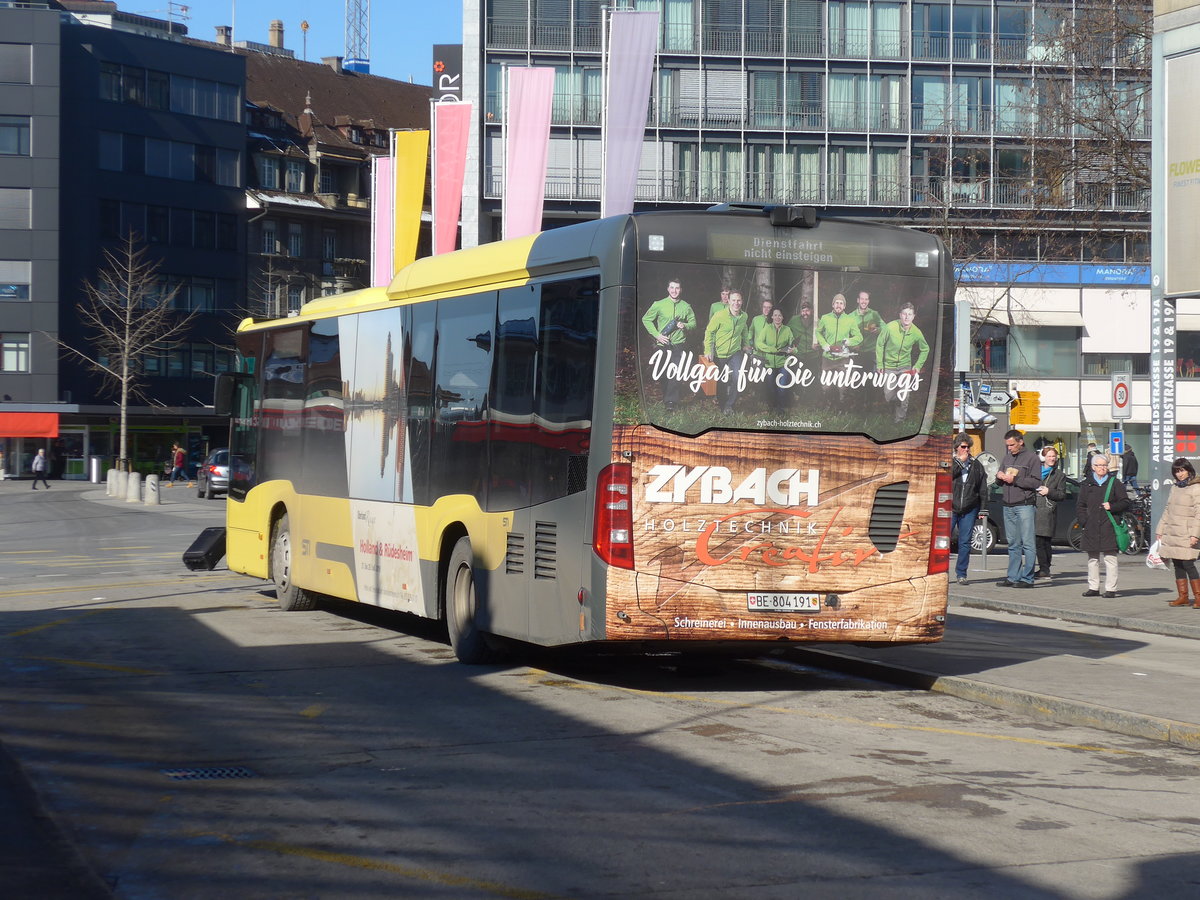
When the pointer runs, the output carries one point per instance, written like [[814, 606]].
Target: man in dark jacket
[[1129, 469], [1019, 476], [970, 499]]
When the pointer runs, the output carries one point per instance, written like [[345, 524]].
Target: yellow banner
[[411, 161]]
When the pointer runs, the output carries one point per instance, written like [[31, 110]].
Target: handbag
[[1119, 529]]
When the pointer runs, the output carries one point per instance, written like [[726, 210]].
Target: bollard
[[133, 488], [110, 485], [152, 495], [119, 483]]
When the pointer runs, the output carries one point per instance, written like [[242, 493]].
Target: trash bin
[[95, 469]]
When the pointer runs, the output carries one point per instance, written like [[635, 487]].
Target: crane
[[358, 36]]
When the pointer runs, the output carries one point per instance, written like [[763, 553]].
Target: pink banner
[[451, 126], [633, 39], [530, 97], [383, 200]]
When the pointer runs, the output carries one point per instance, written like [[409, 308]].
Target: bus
[[602, 434]]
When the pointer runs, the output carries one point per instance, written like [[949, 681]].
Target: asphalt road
[[185, 738]]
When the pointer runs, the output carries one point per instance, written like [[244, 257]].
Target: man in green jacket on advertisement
[[898, 341], [838, 336], [669, 322], [725, 343]]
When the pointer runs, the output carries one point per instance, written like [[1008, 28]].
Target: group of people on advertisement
[[732, 334], [1032, 484]]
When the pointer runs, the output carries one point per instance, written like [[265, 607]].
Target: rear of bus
[[786, 488]]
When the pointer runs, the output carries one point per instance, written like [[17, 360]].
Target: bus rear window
[[782, 348]]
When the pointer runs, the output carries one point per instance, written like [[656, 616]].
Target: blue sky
[[403, 32]]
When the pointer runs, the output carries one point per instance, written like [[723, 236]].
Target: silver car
[[212, 477]]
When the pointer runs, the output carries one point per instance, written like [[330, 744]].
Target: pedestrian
[[178, 461], [1100, 494], [1019, 477], [1052, 491], [41, 467], [970, 500], [1178, 531], [1129, 468]]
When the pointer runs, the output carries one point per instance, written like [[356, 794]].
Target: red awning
[[28, 424]]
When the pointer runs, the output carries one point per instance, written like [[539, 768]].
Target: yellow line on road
[[115, 584], [124, 548], [416, 873], [851, 720], [85, 664], [35, 628]]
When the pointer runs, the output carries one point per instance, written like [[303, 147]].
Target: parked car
[[1066, 531], [993, 534], [212, 477]]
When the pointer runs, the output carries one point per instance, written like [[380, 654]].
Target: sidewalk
[[1125, 664]]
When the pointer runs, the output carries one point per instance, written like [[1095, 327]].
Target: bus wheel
[[290, 597], [469, 642]]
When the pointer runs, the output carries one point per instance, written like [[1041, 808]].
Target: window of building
[[133, 85], [270, 240], [931, 30], [1108, 363], [15, 63], [200, 97], [1012, 33], [887, 176], [14, 352], [989, 348], [183, 161], [971, 110], [1043, 351], [849, 33], [972, 31], [295, 176], [295, 241], [182, 228], [295, 298], [888, 93], [328, 180], [158, 90], [848, 108], [15, 211], [111, 153], [268, 171], [15, 275], [227, 231], [930, 110], [158, 158], [887, 30], [206, 229], [110, 81], [1013, 104], [158, 224], [202, 360], [14, 135], [849, 175], [721, 171]]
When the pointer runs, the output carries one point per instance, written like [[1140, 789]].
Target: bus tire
[[461, 596], [289, 595]]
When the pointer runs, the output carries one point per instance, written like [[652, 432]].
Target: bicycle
[[1135, 520]]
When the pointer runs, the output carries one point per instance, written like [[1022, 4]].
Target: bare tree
[[127, 312]]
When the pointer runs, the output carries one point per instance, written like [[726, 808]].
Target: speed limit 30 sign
[[1122, 395]]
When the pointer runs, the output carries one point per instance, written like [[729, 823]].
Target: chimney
[[334, 62], [276, 34], [224, 35]]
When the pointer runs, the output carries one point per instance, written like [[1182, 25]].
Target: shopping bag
[[1153, 560]]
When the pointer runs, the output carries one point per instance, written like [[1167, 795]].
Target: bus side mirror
[[226, 389]]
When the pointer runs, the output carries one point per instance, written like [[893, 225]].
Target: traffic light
[[1026, 411]]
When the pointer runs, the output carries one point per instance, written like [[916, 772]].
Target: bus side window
[[564, 392], [418, 358], [458, 445], [513, 428]]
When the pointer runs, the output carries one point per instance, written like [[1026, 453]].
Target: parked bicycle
[[1135, 520]]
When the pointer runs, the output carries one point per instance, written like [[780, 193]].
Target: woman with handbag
[[1178, 531], [1102, 499]]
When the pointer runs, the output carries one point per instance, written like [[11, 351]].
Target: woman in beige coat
[[1178, 531]]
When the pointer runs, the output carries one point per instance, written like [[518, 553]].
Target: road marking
[[124, 548], [116, 584], [85, 664], [313, 711], [851, 720], [35, 628], [365, 862]]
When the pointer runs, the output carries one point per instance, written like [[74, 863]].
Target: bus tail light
[[613, 527], [939, 543]]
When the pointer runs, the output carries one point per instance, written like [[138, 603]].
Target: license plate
[[761, 602]]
